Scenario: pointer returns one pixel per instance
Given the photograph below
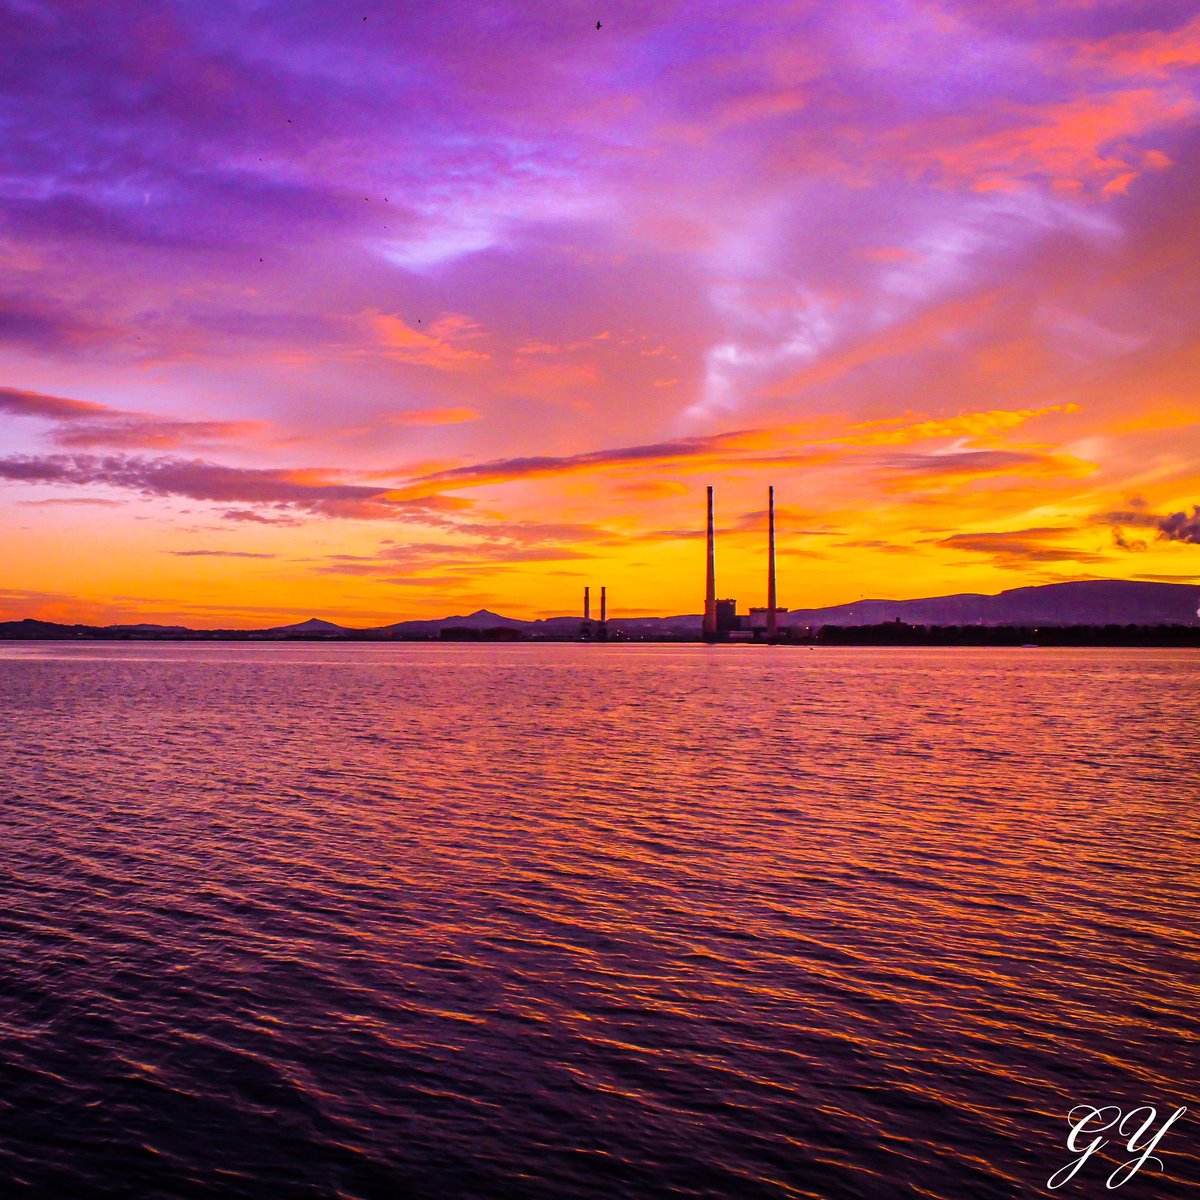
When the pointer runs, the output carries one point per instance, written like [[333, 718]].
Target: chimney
[[772, 622], [603, 605], [710, 592], [587, 603]]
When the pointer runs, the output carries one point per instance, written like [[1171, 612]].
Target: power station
[[721, 621], [589, 630]]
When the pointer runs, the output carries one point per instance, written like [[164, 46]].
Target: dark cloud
[[1168, 527], [195, 479], [519, 468], [1180, 527], [44, 325], [501, 470], [279, 491], [1136, 545]]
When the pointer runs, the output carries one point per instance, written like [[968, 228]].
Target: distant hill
[[31, 628], [160, 629], [313, 627], [1087, 602], [481, 619]]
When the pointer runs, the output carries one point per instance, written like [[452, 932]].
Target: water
[[568, 921]]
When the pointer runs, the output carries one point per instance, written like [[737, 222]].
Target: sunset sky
[[385, 310]]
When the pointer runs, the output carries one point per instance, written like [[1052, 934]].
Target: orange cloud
[[1081, 141], [439, 348], [1154, 52], [899, 431], [435, 416]]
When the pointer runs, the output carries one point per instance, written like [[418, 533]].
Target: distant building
[[760, 618], [467, 633], [727, 618]]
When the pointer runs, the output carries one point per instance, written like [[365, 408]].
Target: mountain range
[[1086, 602]]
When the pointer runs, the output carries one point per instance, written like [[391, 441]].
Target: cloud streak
[[1023, 547], [195, 479], [82, 424]]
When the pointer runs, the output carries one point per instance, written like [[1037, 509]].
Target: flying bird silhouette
[[597, 24]]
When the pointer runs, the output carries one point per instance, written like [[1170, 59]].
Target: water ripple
[[561, 921]]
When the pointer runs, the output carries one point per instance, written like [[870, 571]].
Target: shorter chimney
[[587, 603], [603, 604]]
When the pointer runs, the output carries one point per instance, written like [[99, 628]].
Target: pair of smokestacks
[[710, 593], [587, 604]]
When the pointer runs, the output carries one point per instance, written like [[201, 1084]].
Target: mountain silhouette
[[1093, 602]]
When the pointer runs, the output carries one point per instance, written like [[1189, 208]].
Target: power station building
[[589, 630], [721, 620]]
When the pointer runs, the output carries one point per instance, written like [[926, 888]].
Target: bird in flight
[[597, 24]]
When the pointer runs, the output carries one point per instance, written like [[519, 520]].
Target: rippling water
[[566, 921]]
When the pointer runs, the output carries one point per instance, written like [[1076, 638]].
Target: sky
[[372, 311]]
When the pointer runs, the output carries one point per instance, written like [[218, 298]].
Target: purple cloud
[[84, 425], [197, 480], [1169, 527]]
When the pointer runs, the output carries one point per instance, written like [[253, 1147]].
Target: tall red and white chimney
[[710, 590], [772, 621]]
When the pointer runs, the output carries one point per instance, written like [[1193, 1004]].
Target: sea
[[471, 920]]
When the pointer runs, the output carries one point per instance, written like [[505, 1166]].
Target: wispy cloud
[[218, 554], [443, 346], [435, 416], [83, 424], [1022, 547], [195, 479]]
